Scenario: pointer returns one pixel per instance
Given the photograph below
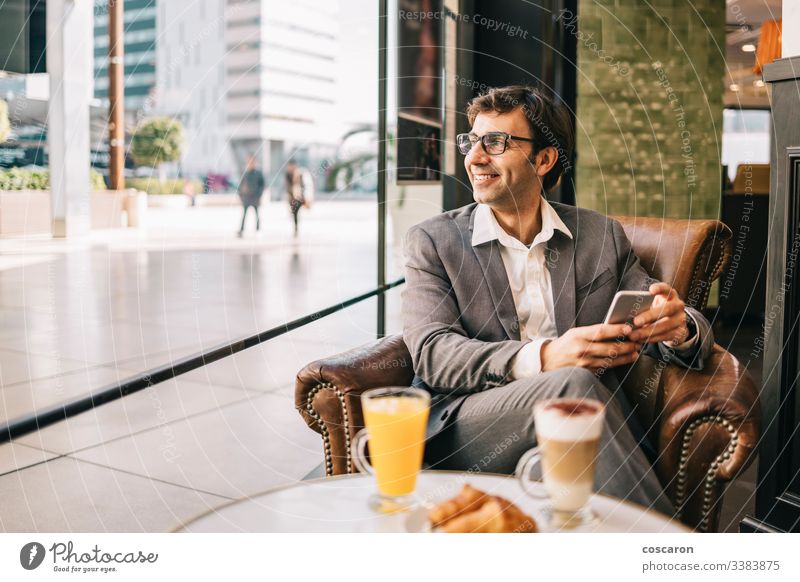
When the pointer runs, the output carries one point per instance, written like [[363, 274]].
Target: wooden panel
[[778, 497]]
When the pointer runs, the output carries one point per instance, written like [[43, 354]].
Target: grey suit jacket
[[460, 322]]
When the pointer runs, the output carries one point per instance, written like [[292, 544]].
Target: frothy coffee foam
[[569, 420]]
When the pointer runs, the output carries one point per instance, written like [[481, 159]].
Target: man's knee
[[582, 383]]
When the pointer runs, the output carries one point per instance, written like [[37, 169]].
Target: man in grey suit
[[505, 299]]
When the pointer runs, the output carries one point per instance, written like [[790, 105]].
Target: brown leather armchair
[[704, 425]]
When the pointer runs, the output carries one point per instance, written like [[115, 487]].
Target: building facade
[[245, 77], [282, 70], [190, 82], [140, 51]]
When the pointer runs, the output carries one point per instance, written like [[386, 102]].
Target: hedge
[[153, 186], [22, 179]]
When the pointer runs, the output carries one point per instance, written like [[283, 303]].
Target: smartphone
[[627, 305]]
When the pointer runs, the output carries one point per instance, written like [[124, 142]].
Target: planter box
[[24, 212], [107, 209], [27, 212]]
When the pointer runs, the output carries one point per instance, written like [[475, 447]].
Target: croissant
[[497, 515], [473, 510], [469, 499]]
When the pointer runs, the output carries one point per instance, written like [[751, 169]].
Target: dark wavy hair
[[547, 116]]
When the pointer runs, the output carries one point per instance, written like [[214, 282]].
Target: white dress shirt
[[531, 287]]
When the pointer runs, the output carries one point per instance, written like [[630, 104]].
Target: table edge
[[636, 506]]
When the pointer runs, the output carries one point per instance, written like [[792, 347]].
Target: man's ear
[[544, 160]]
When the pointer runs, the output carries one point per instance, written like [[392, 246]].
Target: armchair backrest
[[688, 254]]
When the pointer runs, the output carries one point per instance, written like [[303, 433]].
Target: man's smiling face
[[504, 181]]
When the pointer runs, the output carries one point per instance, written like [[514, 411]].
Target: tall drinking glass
[[395, 420], [568, 431]]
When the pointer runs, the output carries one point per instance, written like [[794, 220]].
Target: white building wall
[[190, 84], [243, 78], [281, 69], [301, 41]]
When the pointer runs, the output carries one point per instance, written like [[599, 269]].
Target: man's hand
[[665, 321], [593, 347]]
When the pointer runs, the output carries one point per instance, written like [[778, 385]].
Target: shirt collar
[[486, 227]]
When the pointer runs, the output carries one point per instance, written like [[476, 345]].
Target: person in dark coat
[[251, 187], [299, 190]]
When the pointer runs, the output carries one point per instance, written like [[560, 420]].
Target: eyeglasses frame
[[506, 136]]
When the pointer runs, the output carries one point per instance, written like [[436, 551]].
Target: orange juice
[[396, 426]]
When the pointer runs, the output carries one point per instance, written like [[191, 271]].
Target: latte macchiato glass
[[568, 431]]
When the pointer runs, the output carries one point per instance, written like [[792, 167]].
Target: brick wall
[[649, 110]]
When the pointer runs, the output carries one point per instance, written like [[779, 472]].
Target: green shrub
[[157, 140], [97, 181], [22, 179], [153, 186]]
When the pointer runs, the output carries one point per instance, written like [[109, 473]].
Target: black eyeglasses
[[494, 142]]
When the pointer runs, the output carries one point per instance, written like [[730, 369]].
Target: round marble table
[[339, 504]]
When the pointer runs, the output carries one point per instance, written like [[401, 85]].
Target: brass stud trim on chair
[[716, 271], [709, 482], [326, 437], [326, 446]]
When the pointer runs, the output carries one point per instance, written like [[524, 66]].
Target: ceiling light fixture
[[748, 48], [734, 87]]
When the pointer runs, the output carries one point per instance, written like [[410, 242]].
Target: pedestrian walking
[[188, 191], [299, 190], [251, 187]]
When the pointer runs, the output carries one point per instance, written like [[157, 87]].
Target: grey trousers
[[492, 429]]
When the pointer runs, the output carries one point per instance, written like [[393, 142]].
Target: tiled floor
[[66, 494], [79, 315]]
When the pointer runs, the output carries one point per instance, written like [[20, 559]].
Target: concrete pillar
[[70, 45]]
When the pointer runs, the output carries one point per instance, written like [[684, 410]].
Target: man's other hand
[[665, 321], [593, 347]]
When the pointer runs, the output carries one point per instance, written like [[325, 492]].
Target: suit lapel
[[560, 261], [494, 273]]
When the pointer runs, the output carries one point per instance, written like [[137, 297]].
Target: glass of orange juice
[[395, 420]]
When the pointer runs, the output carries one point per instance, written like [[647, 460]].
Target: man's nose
[[477, 155]]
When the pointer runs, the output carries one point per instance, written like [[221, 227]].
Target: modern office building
[[190, 82], [140, 51], [281, 77], [245, 77]]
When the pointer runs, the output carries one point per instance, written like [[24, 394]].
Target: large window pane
[[298, 83]]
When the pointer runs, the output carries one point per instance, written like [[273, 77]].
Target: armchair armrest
[[328, 392], [709, 429]]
